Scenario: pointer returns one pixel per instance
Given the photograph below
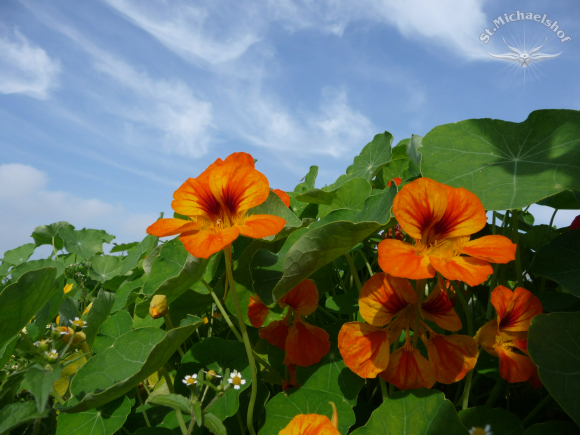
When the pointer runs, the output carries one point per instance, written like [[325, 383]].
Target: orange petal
[[451, 356], [473, 271], [383, 297], [240, 157], [261, 225], [171, 227], [364, 348], [306, 344], [515, 310], [514, 367], [397, 181], [204, 243], [257, 311], [486, 337], [283, 196], [438, 308], [276, 333], [535, 380], [303, 298], [309, 424], [400, 259], [291, 367], [238, 187], [409, 369], [419, 205], [464, 215], [495, 249], [195, 198]]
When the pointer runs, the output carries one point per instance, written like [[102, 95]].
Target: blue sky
[[106, 107]]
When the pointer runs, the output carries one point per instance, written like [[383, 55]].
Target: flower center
[[191, 381], [236, 380]]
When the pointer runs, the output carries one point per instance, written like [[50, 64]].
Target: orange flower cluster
[[216, 205], [304, 344], [440, 219], [506, 336], [389, 306]]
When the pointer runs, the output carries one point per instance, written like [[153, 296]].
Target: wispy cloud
[[26, 68], [23, 191], [189, 30], [335, 129], [215, 31]]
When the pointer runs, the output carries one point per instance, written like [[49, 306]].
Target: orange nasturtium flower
[[392, 302], [312, 424], [506, 336], [304, 344], [216, 204], [441, 219], [283, 196]]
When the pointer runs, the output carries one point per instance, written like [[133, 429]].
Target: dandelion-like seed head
[[190, 380], [236, 379], [479, 431]]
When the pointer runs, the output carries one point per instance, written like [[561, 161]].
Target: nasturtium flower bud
[[158, 306]]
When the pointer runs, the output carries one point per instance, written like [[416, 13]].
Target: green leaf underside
[[553, 346], [507, 165], [285, 406], [104, 420], [559, 261], [133, 356], [414, 412], [22, 299]]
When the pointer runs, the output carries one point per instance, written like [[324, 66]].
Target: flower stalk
[[246, 340]]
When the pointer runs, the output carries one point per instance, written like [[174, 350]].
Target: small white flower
[[78, 323], [51, 356], [190, 380], [37, 343], [236, 379], [479, 431]]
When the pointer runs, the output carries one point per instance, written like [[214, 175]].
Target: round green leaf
[[104, 267], [507, 165], [104, 420], [285, 406], [19, 255], [553, 346], [111, 329], [500, 421], [559, 260], [133, 357], [414, 412], [35, 265]]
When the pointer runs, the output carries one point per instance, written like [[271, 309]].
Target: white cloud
[[30, 204], [183, 28], [169, 107], [219, 31], [25, 68], [335, 130]]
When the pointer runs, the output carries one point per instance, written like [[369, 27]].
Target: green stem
[[492, 286], [353, 271], [240, 422], [142, 407], [496, 392], [465, 400], [191, 425], [516, 237], [170, 326], [178, 414], [553, 216], [126, 431], [370, 269], [246, 339], [420, 290], [57, 396], [493, 227], [384, 390], [327, 314], [465, 306], [537, 409], [223, 311]]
